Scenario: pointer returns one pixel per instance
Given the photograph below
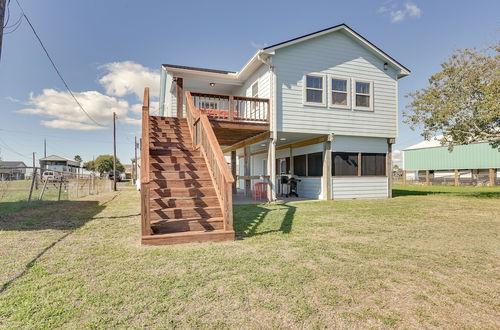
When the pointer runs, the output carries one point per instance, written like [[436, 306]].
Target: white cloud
[[119, 79], [124, 78], [67, 114], [397, 16], [68, 124], [398, 12], [413, 10], [397, 157]]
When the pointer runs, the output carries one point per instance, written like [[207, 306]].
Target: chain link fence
[[479, 177], [31, 185]]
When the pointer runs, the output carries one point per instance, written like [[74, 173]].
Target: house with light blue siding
[[322, 108]]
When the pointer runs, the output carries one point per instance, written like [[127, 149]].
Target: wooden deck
[[233, 118]]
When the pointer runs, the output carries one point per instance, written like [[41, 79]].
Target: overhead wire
[[6, 146], [54, 65]]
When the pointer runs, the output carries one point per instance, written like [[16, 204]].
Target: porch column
[[271, 168], [493, 176], [180, 96], [233, 169], [390, 142], [456, 178], [427, 177], [246, 162], [326, 179]]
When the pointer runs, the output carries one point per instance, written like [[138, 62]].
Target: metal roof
[[12, 164]]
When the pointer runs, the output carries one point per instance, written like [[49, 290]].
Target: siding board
[[336, 54]]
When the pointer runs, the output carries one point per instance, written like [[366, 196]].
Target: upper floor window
[[255, 89], [314, 91], [363, 95], [340, 92]]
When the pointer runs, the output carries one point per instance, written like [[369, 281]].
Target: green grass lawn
[[427, 258]]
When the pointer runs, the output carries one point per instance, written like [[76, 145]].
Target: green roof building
[[476, 163]]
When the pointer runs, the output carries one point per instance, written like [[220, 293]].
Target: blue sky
[[107, 50]]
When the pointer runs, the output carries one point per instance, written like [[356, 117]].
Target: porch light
[[282, 139], [386, 66], [212, 84], [263, 145]]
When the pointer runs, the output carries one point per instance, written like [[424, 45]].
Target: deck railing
[[232, 108], [145, 179], [204, 138]]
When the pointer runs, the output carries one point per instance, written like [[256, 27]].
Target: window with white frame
[[314, 89], [363, 95], [340, 92], [255, 89]]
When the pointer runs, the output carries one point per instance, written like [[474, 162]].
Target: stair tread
[[186, 208], [211, 219], [185, 198], [181, 171], [189, 233]]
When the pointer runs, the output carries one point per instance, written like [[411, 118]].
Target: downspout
[[163, 79], [271, 159]]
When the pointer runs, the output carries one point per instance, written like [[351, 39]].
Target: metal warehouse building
[[430, 163]]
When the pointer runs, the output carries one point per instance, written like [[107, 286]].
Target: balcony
[[233, 118]]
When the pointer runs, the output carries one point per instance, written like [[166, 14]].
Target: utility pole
[[44, 147], [114, 151], [135, 159], [2, 14]]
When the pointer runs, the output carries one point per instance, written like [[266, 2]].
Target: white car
[[51, 176]]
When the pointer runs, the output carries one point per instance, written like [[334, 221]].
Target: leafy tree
[[104, 163], [78, 158], [89, 166], [462, 102]]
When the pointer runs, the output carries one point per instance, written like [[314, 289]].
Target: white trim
[[356, 107], [304, 89], [330, 91]]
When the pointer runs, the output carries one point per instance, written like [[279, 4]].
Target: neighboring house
[[58, 163], [323, 107], [12, 170], [473, 164]]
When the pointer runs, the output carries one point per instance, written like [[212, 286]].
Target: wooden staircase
[[182, 200]]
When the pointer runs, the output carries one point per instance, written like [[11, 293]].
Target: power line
[[6, 146], [54, 65]]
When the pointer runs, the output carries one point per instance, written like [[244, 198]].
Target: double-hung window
[[340, 92], [255, 89], [314, 89], [363, 95]]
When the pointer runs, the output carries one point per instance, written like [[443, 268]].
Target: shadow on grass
[[64, 216], [41, 215], [249, 218], [468, 192]]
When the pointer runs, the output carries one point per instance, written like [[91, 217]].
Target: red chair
[[259, 191]]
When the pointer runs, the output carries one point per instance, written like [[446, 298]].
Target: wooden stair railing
[[145, 179], [204, 138]]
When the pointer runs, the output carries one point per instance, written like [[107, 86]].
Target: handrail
[[145, 179], [234, 108], [145, 139], [204, 138]]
